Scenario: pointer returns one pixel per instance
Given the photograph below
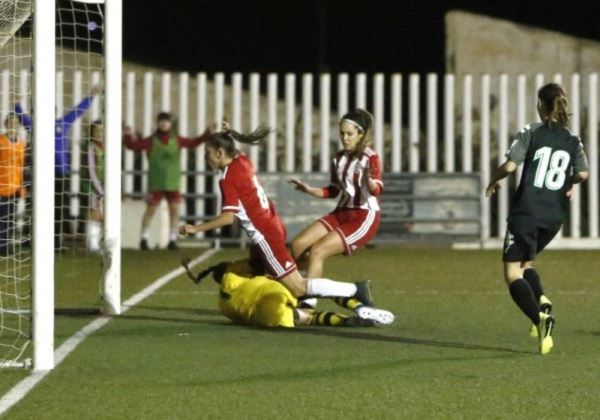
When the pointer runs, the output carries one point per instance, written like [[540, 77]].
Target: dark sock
[[347, 302], [533, 278], [523, 296], [327, 318]]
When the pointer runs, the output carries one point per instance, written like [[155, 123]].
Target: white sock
[[93, 235], [329, 288], [145, 233], [173, 234]]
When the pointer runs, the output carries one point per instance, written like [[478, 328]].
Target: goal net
[[15, 182], [78, 160]]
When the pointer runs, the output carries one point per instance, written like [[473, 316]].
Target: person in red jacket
[[163, 148]]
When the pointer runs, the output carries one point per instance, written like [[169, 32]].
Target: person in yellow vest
[[92, 184], [164, 171], [247, 297], [12, 158]]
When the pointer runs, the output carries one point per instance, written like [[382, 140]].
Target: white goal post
[[43, 186]]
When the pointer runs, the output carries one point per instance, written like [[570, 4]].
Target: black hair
[[218, 271], [225, 139], [363, 120], [163, 115], [554, 101]]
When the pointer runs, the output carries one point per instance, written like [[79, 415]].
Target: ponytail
[[225, 139], [217, 270]]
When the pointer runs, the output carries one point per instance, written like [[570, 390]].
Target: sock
[[303, 303], [348, 303], [524, 298], [329, 288], [533, 278], [145, 233], [173, 234], [93, 235], [327, 318]]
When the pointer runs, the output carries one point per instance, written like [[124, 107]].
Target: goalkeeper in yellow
[[249, 299]]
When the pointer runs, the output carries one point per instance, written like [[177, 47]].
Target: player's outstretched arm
[[499, 174], [305, 188], [223, 219]]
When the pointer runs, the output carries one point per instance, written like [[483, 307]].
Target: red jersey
[[349, 177], [244, 196]]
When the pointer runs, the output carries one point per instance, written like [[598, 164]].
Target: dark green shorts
[[524, 241]]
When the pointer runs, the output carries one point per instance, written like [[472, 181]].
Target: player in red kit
[[356, 180], [244, 198]]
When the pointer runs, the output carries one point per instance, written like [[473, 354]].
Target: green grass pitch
[[459, 347]]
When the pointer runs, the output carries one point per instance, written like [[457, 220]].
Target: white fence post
[[307, 83], [184, 131], [576, 129], [502, 147], [521, 116], [396, 122], [593, 155], [147, 123], [379, 114], [272, 115], [129, 122], [325, 119], [343, 82], [361, 91], [200, 180], [432, 99], [414, 130], [467, 140], [485, 155], [449, 160], [290, 122], [255, 115]]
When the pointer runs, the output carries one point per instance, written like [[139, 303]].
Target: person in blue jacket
[[62, 167]]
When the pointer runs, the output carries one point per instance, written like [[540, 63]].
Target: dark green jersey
[[549, 155]]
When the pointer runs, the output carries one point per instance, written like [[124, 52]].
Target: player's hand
[[96, 89], [492, 188], [569, 192], [298, 185], [187, 229], [225, 126], [128, 131]]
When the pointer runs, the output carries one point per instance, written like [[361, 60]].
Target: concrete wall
[[477, 44]]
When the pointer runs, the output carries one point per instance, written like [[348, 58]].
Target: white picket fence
[[463, 126]]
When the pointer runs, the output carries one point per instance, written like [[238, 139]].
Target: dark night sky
[[355, 35]]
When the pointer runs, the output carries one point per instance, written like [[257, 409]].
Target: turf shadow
[[357, 335]]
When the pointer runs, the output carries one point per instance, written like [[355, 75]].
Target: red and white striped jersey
[[245, 197], [349, 177]]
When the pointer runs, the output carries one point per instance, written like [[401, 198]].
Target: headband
[[353, 122]]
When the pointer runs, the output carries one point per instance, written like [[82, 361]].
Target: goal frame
[[44, 71]]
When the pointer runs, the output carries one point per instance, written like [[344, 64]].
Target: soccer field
[[459, 347]]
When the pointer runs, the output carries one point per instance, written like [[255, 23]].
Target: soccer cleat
[[545, 328], [355, 321], [545, 307], [363, 292], [379, 316], [144, 245], [172, 246]]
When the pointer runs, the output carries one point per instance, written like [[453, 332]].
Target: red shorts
[[154, 197], [271, 250], [356, 227]]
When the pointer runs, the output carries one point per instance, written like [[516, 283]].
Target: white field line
[[20, 390]]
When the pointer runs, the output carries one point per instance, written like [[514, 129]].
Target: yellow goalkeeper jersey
[[258, 301]]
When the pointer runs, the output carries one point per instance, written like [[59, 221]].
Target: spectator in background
[[12, 158], [92, 184], [62, 167], [164, 171]]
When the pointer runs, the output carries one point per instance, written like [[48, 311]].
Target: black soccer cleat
[[172, 246], [355, 321], [363, 292], [144, 245]]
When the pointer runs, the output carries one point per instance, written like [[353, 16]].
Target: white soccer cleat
[[379, 316]]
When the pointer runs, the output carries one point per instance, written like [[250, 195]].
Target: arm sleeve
[[70, 117], [518, 148], [191, 142], [375, 166], [230, 196], [24, 118], [581, 163], [137, 145]]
